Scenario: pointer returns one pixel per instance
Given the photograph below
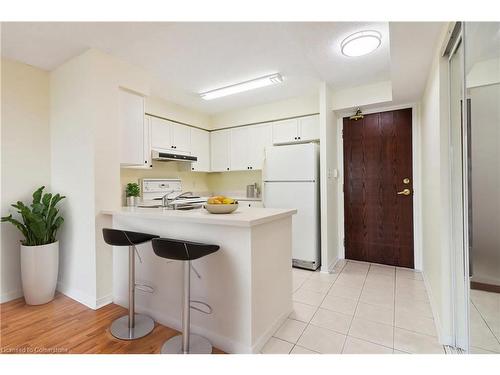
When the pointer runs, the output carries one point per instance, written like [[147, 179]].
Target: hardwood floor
[[66, 326]]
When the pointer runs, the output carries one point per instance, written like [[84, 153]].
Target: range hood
[[172, 156]]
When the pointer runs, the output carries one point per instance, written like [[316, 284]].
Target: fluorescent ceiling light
[[243, 86], [361, 43]]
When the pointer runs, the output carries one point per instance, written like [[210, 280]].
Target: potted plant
[[132, 192], [39, 248]]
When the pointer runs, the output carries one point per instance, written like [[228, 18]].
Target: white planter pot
[[39, 269], [132, 201]]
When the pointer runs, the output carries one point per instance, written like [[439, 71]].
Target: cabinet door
[[131, 117], [240, 148], [285, 131], [200, 147], [161, 134], [260, 137], [181, 137], [309, 128], [220, 150], [148, 163]]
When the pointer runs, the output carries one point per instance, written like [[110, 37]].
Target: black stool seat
[[181, 250], [116, 237]]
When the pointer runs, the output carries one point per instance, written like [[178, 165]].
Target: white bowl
[[221, 208]]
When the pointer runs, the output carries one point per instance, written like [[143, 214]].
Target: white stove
[[154, 189]]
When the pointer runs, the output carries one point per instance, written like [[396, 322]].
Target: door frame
[[417, 183]]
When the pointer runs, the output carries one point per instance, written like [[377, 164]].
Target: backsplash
[[198, 182]]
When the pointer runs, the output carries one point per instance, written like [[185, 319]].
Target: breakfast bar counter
[[248, 282]]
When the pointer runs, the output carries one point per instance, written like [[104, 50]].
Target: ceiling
[[185, 59]]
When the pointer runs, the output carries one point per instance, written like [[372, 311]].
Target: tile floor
[[484, 322], [359, 308]]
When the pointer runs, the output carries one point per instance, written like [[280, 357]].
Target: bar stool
[[185, 251], [131, 326]]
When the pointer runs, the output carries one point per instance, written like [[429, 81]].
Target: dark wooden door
[[378, 165]]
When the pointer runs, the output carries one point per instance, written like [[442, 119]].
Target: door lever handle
[[404, 192]]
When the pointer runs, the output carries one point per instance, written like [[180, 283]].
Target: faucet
[[166, 201]]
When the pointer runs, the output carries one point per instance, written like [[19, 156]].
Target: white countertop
[[242, 217]]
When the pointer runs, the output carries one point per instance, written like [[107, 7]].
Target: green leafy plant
[[132, 190], [40, 221]]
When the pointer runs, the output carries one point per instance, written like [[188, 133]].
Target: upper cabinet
[[168, 135], [200, 147], [220, 150], [309, 128], [132, 129], [302, 129], [247, 146]]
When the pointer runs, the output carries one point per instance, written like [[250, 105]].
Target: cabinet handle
[[299, 137], [295, 138], [227, 168], [192, 168]]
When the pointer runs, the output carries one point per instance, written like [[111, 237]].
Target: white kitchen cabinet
[[302, 129], [285, 131], [261, 136], [220, 150], [200, 147], [131, 119], [181, 137], [170, 136], [309, 128], [161, 134], [240, 148], [247, 146]]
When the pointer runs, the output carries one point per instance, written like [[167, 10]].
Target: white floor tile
[[374, 332], [277, 346], [377, 297], [408, 274], [300, 350], [302, 312], [356, 346], [322, 340], [317, 285], [339, 304], [332, 320], [414, 322], [416, 343], [308, 297], [290, 330], [339, 290], [379, 314]]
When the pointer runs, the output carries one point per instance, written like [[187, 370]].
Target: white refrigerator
[[291, 180]]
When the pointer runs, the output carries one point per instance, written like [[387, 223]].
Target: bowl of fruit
[[221, 205]]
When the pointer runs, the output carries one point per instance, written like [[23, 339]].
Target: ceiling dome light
[[361, 43]]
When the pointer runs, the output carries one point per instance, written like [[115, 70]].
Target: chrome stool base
[[197, 345], [143, 325]]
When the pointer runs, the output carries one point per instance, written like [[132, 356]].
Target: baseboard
[[486, 287], [103, 301], [9, 296], [262, 340], [77, 295], [443, 338], [330, 266]]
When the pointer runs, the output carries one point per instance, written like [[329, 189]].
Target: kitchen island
[[248, 282]]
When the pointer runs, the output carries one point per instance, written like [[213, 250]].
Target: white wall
[[435, 164], [362, 96], [267, 112], [25, 156], [162, 108], [86, 165], [329, 185]]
